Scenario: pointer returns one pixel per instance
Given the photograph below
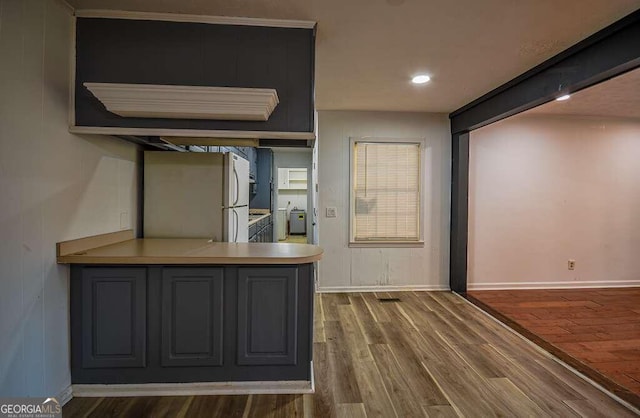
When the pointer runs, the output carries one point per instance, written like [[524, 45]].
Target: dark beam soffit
[[610, 52]]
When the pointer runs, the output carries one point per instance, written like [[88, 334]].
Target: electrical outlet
[[571, 264], [332, 212], [124, 220]]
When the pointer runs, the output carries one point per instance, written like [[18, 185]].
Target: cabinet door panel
[[113, 317], [283, 178], [192, 315], [267, 315], [269, 233]]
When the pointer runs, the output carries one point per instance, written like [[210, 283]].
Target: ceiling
[[617, 97], [367, 50]]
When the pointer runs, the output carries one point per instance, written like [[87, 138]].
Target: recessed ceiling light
[[563, 98], [420, 79]]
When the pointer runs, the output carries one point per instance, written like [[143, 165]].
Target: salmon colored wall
[[546, 189]]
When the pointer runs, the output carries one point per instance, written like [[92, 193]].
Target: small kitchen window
[[386, 192]]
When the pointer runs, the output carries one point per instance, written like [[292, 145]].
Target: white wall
[[344, 268], [544, 190], [293, 158], [54, 186], [314, 189], [292, 198]]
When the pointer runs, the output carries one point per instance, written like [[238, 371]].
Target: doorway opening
[[292, 205]]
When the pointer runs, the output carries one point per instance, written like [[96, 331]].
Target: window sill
[[387, 244]]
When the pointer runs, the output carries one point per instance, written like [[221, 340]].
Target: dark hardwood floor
[[596, 330], [430, 354]]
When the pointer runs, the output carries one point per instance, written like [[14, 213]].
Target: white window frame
[[421, 183]]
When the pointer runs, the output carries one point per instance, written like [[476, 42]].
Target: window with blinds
[[385, 198]]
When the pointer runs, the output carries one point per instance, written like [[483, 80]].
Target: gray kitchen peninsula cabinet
[[195, 321]]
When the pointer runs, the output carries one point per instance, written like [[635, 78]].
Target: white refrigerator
[[196, 195]]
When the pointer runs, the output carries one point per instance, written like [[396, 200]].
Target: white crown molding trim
[[404, 288], [65, 396], [196, 133], [553, 285], [185, 102], [215, 20], [192, 389]]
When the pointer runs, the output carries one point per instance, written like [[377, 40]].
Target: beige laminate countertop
[[258, 219], [194, 251]]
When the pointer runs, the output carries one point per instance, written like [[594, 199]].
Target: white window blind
[[386, 191]]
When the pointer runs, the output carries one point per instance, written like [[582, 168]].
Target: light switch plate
[[332, 212]]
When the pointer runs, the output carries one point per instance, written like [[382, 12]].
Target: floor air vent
[[386, 300]]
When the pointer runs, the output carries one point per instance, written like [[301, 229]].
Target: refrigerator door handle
[[235, 174], [235, 238]]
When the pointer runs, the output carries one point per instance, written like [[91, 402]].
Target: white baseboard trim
[[553, 285], [192, 389], [406, 288], [65, 396], [313, 379]]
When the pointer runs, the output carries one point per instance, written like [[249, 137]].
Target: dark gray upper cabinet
[[264, 179], [252, 155], [114, 338], [196, 54], [192, 316]]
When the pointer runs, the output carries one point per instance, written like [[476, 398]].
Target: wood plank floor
[[599, 328], [295, 239], [430, 354]]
